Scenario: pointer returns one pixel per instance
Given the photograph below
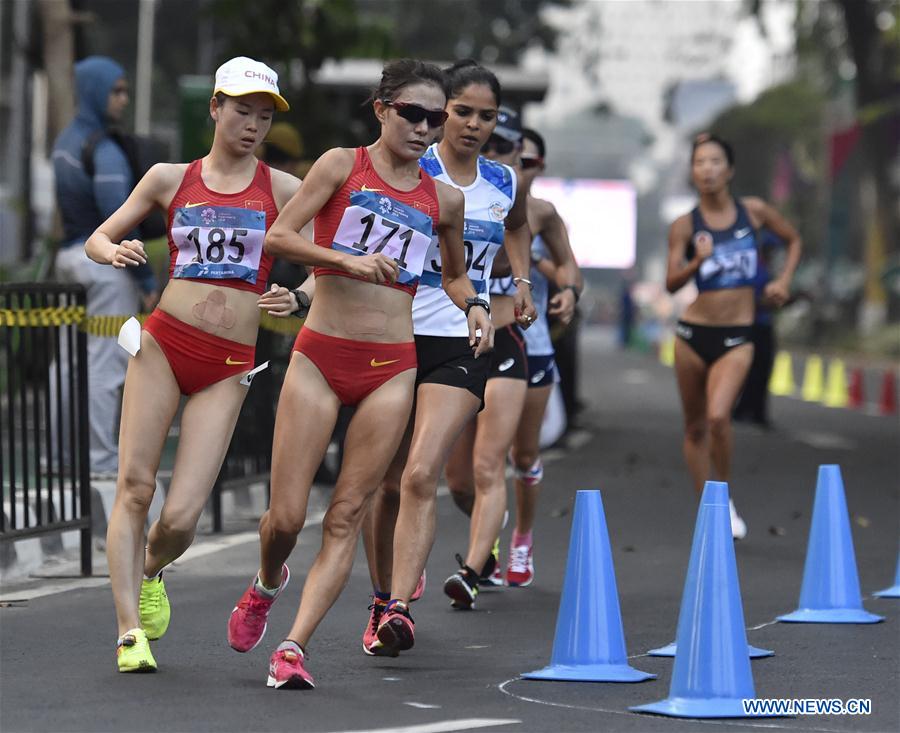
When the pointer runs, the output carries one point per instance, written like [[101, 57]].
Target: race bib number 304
[[218, 242], [374, 224]]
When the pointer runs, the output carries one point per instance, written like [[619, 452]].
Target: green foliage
[[786, 117], [492, 31], [284, 32], [309, 31], [783, 121]]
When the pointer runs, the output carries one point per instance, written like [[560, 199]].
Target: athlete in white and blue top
[[716, 245], [489, 199], [450, 380]]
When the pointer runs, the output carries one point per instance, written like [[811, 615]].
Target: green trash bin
[[194, 122]]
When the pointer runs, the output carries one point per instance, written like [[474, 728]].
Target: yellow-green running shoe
[[154, 607], [491, 573], [133, 652]]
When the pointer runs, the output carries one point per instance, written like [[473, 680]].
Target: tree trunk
[[59, 61], [874, 63]]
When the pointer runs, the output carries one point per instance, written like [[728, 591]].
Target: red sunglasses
[[415, 113]]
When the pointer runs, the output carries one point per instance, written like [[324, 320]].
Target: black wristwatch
[[303, 303], [574, 292], [481, 302]]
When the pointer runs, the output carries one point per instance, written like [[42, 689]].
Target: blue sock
[[383, 596]]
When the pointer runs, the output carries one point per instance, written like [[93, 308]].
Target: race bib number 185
[[374, 224], [218, 242]]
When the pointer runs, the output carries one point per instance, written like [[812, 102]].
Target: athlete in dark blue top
[[717, 245]]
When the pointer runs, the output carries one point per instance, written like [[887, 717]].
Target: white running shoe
[[738, 525]]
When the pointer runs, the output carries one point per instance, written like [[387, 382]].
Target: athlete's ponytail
[[468, 71]]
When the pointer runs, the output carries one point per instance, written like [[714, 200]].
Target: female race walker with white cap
[[375, 215], [450, 382], [717, 245], [198, 342]]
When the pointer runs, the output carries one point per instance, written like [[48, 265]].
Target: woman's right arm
[[105, 245], [284, 239], [678, 272]]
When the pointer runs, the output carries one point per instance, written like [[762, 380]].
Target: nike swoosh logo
[[374, 363], [191, 206], [373, 190], [741, 233], [463, 368], [733, 342], [506, 365], [230, 362]]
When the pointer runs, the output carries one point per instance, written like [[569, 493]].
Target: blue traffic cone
[[711, 676], [589, 645], [669, 651], [894, 590], [830, 590]]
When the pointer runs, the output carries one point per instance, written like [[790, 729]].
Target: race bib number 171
[[374, 224]]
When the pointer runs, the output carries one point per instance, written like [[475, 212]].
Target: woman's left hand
[[526, 314], [278, 301], [776, 293], [562, 305]]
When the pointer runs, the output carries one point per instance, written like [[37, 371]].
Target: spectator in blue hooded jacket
[[85, 202]]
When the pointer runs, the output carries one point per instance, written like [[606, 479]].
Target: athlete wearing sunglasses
[[415, 114], [530, 162], [451, 384]]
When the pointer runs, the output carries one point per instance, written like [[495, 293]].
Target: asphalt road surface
[[57, 651]]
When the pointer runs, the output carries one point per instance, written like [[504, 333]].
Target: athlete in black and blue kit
[[717, 245]]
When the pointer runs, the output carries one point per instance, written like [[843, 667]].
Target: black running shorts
[[509, 360], [450, 360]]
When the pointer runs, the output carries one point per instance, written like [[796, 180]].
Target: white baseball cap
[[240, 76]]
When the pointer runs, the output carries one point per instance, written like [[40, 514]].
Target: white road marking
[[635, 376], [689, 721], [422, 705], [762, 626], [444, 726], [824, 441]]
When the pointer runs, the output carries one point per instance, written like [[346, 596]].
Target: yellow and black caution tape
[[29, 317], [284, 326], [109, 326]]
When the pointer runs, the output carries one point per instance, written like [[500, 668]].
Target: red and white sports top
[[366, 215], [218, 237]]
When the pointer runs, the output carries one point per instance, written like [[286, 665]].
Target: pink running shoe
[[371, 645], [286, 670], [420, 588], [248, 620], [520, 568], [397, 630]]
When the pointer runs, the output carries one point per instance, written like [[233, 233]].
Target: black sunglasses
[[531, 161], [499, 145], [415, 114]]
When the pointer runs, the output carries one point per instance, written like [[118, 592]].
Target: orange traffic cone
[[887, 405], [856, 393]]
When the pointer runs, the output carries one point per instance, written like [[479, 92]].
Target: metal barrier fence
[[44, 451]]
